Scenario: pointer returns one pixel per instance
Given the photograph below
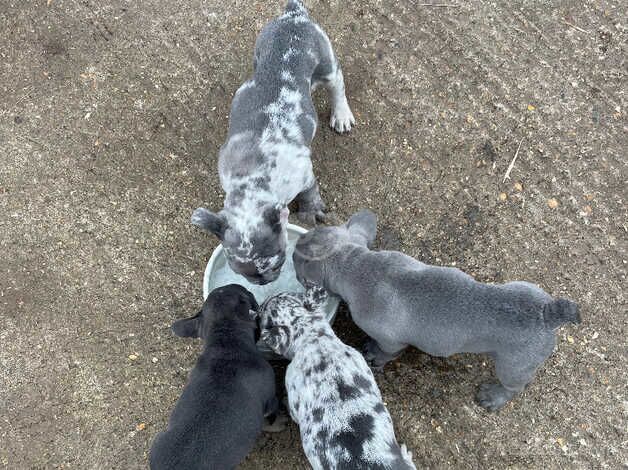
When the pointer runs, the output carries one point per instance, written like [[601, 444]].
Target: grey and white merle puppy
[[399, 301], [230, 390], [332, 394], [265, 162]]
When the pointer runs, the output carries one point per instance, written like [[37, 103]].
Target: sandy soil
[[111, 114]]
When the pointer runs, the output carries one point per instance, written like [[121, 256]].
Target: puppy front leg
[[377, 355], [341, 116], [274, 419], [311, 206]]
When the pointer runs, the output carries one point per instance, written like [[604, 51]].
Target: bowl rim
[[218, 252]]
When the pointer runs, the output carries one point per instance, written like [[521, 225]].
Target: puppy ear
[[363, 227], [210, 222], [277, 338], [188, 327], [253, 314]]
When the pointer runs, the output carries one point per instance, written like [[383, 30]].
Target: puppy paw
[[492, 396], [342, 119], [311, 217], [279, 424]]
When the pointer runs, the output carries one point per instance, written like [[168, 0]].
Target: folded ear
[[188, 327], [277, 338], [363, 227], [210, 222]]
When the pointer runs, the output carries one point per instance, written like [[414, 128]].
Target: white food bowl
[[218, 274]]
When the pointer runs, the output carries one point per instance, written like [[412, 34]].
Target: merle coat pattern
[[399, 301], [332, 394], [265, 162], [230, 390]]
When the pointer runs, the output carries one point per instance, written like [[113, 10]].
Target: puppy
[[231, 389], [265, 162], [399, 301], [332, 394]]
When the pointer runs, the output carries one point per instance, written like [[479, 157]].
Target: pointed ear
[[253, 314], [277, 338], [363, 227], [210, 222], [188, 327]]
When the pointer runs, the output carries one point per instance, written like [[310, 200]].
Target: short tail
[[296, 6], [561, 311]]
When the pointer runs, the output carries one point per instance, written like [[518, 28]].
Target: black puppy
[[230, 391]]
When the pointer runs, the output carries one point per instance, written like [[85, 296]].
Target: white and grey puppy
[[265, 162], [332, 394], [399, 301]]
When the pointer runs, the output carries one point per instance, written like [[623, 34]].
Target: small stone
[[570, 339], [140, 427], [133, 357], [587, 210], [531, 107], [155, 360], [518, 186], [552, 203], [503, 196]]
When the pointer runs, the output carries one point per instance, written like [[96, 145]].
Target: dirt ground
[[111, 114]]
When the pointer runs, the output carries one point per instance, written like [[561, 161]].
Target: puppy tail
[[296, 6], [561, 311]]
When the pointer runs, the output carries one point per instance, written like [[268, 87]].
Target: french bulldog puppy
[[265, 162], [332, 394], [230, 390], [399, 301]]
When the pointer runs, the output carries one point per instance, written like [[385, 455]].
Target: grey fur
[[332, 394], [265, 162], [230, 390], [399, 301]]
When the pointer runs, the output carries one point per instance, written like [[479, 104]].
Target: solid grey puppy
[[332, 394], [399, 301], [265, 162]]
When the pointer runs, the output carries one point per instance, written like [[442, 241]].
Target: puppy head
[[283, 318], [232, 302], [254, 244], [315, 246]]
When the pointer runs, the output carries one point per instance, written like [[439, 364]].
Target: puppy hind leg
[[311, 206], [378, 354], [514, 373]]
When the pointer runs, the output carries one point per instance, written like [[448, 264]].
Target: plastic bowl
[[218, 273]]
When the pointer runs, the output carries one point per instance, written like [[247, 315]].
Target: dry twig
[[512, 163]]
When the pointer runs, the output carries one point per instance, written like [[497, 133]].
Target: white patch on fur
[[287, 76], [289, 53]]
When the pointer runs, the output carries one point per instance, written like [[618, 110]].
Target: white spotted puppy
[[265, 162], [332, 394]]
